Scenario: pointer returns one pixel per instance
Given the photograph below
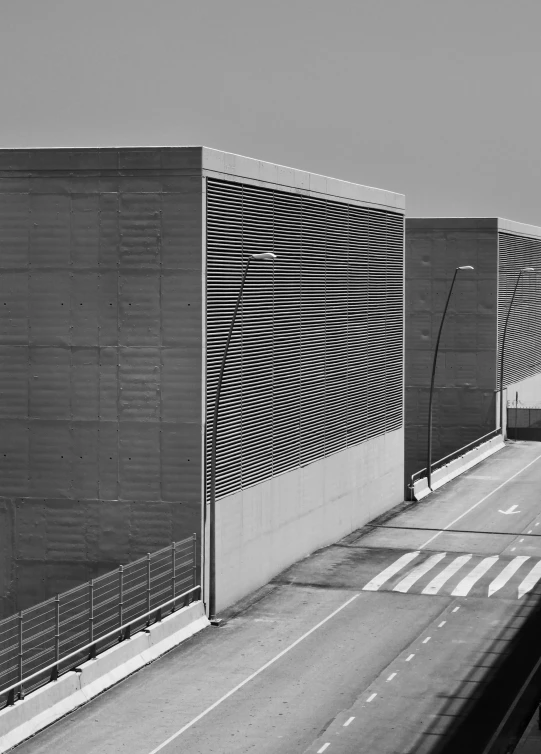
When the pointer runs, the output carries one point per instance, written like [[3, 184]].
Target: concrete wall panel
[[263, 529], [85, 331], [465, 375]]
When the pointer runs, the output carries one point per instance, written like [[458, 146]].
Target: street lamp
[[524, 269], [429, 444], [266, 256]]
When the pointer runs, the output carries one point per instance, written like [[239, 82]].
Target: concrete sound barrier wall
[[265, 528]]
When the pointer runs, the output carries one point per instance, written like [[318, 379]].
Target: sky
[[436, 99]]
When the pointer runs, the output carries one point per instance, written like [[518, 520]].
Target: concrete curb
[[458, 466], [51, 702]]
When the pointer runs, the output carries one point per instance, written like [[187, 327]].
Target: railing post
[[173, 573], [120, 598], [194, 567], [92, 654], [148, 587], [11, 695], [54, 672]]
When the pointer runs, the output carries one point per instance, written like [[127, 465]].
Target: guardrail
[[455, 454], [43, 641]]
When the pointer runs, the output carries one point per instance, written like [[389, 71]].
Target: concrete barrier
[[457, 466], [54, 700]]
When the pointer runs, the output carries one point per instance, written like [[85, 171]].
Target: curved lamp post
[[266, 256], [523, 270], [429, 443]]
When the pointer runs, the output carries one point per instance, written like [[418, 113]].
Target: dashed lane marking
[[371, 697], [442, 623], [390, 678], [425, 641], [253, 675], [348, 722], [323, 748], [410, 657], [455, 609], [509, 479]]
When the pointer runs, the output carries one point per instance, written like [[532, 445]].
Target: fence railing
[[523, 422], [455, 454], [43, 641]]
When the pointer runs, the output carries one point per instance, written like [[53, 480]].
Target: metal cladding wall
[[464, 397], [315, 364], [100, 351], [522, 358]]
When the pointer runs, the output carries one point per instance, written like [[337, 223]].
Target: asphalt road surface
[[404, 638]]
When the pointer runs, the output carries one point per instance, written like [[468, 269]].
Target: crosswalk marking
[[510, 569], [530, 581], [385, 575], [462, 589], [418, 571], [450, 570]]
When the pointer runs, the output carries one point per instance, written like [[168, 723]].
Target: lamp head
[[265, 256], [466, 267], [527, 269]]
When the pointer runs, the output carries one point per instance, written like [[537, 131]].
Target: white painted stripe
[[456, 608], [521, 540], [410, 657], [537, 524], [530, 581], [253, 675], [442, 623], [390, 678], [385, 575], [480, 501], [510, 569], [419, 571], [439, 580], [351, 719], [372, 696], [463, 588], [426, 640], [513, 549], [325, 746]]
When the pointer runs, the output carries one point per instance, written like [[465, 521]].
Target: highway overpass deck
[[409, 636]]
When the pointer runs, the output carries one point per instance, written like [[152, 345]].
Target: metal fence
[[43, 641], [451, 457], [523, 423]]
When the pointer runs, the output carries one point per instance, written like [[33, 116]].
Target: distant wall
[[100, 363], [464, 397]]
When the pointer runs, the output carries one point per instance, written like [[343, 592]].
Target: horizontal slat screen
[[315, 362], [522, 357]]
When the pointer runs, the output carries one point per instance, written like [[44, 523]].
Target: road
[[397, 639]]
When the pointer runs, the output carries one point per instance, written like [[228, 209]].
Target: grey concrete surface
[[390, 672]]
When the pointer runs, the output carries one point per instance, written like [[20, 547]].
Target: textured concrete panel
[[14, 381], [14, 307], [84, 235], [263, 529], [85, 230], [466, 369], [14, 229]]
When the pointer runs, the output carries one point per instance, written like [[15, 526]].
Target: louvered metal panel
[[315, 363], [522, 356]]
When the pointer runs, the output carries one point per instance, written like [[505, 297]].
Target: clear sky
[[437, 99]]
